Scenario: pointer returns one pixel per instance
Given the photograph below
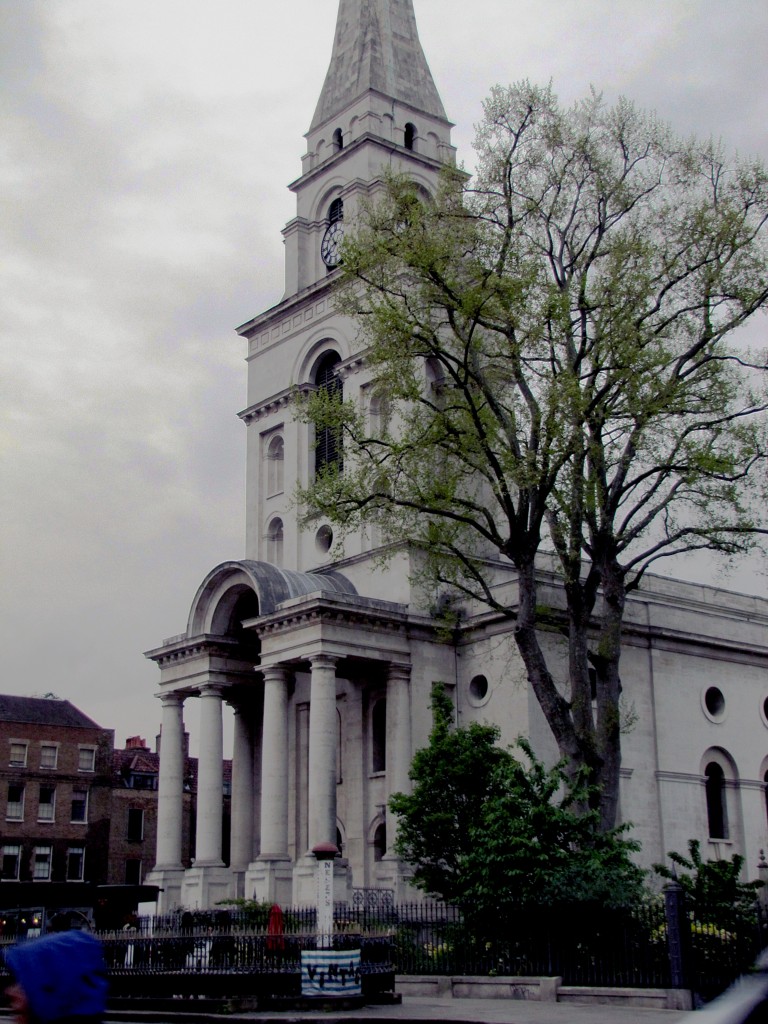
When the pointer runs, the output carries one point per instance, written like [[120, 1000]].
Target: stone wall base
[[269, 881], [541, 989], [170, 882], [205, 885]]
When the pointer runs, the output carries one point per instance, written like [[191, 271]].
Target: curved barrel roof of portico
[[230, 584]]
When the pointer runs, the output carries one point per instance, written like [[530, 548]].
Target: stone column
[[398, 732], [390, 871], [322, 752], [209, 778], [170, 789], [241, 845], [274, 766]]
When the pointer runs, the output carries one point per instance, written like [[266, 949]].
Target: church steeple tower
[[377, 49], [378, 112], [378, 109]]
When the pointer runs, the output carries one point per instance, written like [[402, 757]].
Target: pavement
[[420, 1008], [485, 1011]]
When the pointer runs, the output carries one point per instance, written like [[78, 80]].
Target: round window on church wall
[[714, 703], [324, 539], [764, 711], [479, 690]]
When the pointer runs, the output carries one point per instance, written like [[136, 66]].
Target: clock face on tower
[[329, 247]]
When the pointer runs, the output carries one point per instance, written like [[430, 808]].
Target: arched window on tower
[[275, 462], [379, 736], [328, 450], [379, 842], [338, 140], [409, 135], [717, 817], [379, 413], [336, 211], [275, 542]]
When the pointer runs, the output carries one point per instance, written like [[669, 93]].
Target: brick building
[[55, 792], [75, 810], [133, 835]]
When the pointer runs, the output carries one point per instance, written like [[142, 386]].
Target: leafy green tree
[[714, 885], [455, 777], [552, 341], [486, 831]]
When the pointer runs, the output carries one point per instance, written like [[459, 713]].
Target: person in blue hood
[[57, 978]]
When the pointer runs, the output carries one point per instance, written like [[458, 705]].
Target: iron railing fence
[[722, 943], [229, 964], [699, 947], [585, 945], [230, 953], [366, 916]]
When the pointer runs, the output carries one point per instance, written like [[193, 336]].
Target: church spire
[[377, 48]]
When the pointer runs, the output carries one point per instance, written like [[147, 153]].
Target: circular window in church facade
[[764, 711], [478, 690], [324, 539], [713, 703]]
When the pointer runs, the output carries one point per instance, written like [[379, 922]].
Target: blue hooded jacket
[[62, 975]]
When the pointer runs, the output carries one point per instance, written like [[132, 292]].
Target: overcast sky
[[144, 157]]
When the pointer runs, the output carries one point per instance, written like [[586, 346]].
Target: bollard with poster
[[326, 971]]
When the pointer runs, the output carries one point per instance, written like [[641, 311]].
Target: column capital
[[274, 673], [211, 690], [323, 661], [399, 671], [242, 703], [172, 699]]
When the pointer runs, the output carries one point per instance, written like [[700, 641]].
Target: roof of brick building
[[144, 761], [43, 711]]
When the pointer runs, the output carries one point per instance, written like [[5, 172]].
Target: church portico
[[210, 669], [305, 664]]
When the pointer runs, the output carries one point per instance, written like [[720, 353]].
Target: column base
[[205, 886], [170, 881], [238, 882], [392, 873], [270, 881], [305, 881]]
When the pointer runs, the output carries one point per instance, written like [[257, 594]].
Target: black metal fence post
[[678, 934]]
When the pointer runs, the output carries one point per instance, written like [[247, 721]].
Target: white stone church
[[329, 662]]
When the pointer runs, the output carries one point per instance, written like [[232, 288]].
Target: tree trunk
[[582, 741], [608, 657], [556, 708]]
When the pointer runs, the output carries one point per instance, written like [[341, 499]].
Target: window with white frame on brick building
[[49, 755], [46, 807], [86, 761], [79, 805], [41, 865], [14, 810], [18, 755], [75, 863], [11, 863]]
